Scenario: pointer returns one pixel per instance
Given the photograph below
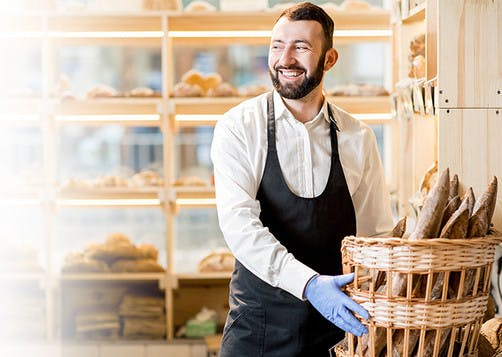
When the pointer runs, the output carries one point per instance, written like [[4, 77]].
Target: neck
[[306, 108]]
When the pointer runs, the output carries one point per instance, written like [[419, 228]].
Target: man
[[294, 176]]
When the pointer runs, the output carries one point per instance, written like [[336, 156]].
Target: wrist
[[308, 286]]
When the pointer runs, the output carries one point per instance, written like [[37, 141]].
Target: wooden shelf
[[202, 278], [99, 22], [22, 277], [111, 197], [109, 106], [113, 277], [416, 14], [264, 21]]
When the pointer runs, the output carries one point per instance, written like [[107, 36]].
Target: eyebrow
[[295, 42]]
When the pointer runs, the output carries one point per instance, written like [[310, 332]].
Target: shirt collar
[[281, 112]]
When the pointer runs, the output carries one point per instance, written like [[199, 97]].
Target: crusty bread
[[430, 217]]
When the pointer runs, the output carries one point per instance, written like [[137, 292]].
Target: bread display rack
[[185, 293]]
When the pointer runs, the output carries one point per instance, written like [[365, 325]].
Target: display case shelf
[[111, 193], [161, 277], [23, 277], [193, 112], [417, 13], [202, 278], [192, 196], [124, 111]]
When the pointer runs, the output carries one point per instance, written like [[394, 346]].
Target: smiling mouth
[[290, 73]]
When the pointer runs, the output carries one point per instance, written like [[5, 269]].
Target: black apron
[[268, 321]]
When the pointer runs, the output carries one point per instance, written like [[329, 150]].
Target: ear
[[330, 59]]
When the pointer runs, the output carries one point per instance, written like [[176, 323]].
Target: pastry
[[187, 90], [190, 181], [218, 261], [147, 178], [101, 91], [136, 266], [224, 89]]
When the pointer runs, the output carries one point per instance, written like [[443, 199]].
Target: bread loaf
[[490, 338], [453, 187], [456, 227], [453, 205], [400, 228], [430, 217]]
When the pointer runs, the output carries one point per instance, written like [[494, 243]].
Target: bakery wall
[[470, 93]]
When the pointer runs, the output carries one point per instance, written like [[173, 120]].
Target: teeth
[[291, 73]]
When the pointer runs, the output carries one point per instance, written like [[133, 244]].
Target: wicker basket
[[426, 321]]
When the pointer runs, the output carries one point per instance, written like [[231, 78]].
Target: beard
[[291, 91]]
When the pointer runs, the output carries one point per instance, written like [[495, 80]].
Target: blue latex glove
[[325, 294]]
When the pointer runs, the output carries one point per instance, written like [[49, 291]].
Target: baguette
[[489, 199], [453, 187], [472, 200], [457, 225], [430, 217], [399, 229], [452, 206]]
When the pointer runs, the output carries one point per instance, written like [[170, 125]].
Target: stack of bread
[[445, 214], [142, 316], [117, 254], [195, 84]]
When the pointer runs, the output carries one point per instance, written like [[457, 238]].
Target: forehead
[[302, 30]]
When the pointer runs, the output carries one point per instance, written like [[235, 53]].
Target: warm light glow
[[20, 202], [373, 116], [214, 34], [210, 118], [109, 202], [19, 117], [109, 118], [196, 201], [20, 34], [108, 34]]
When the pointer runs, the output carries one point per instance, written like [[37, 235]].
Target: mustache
[[278, 68]]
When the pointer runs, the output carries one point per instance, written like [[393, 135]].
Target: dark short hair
[[309, 11]]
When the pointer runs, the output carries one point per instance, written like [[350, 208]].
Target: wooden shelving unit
[[162, 30]]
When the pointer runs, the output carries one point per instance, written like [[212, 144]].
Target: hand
[[325, 294]]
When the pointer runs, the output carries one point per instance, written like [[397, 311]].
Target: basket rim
[[394, 241]]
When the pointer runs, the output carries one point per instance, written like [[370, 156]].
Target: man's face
[[296, 57]]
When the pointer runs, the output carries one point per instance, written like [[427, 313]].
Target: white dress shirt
[[239, 152]]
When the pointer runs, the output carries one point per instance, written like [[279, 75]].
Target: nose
[[286, 58]]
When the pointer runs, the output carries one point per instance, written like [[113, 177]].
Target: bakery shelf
[[22, 277], [111, 197], [191, 112], [416, 14], [193, 196], [123, 111], [202, 278], [20, 111], [114, 277], [99, 23], [264, 21]]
